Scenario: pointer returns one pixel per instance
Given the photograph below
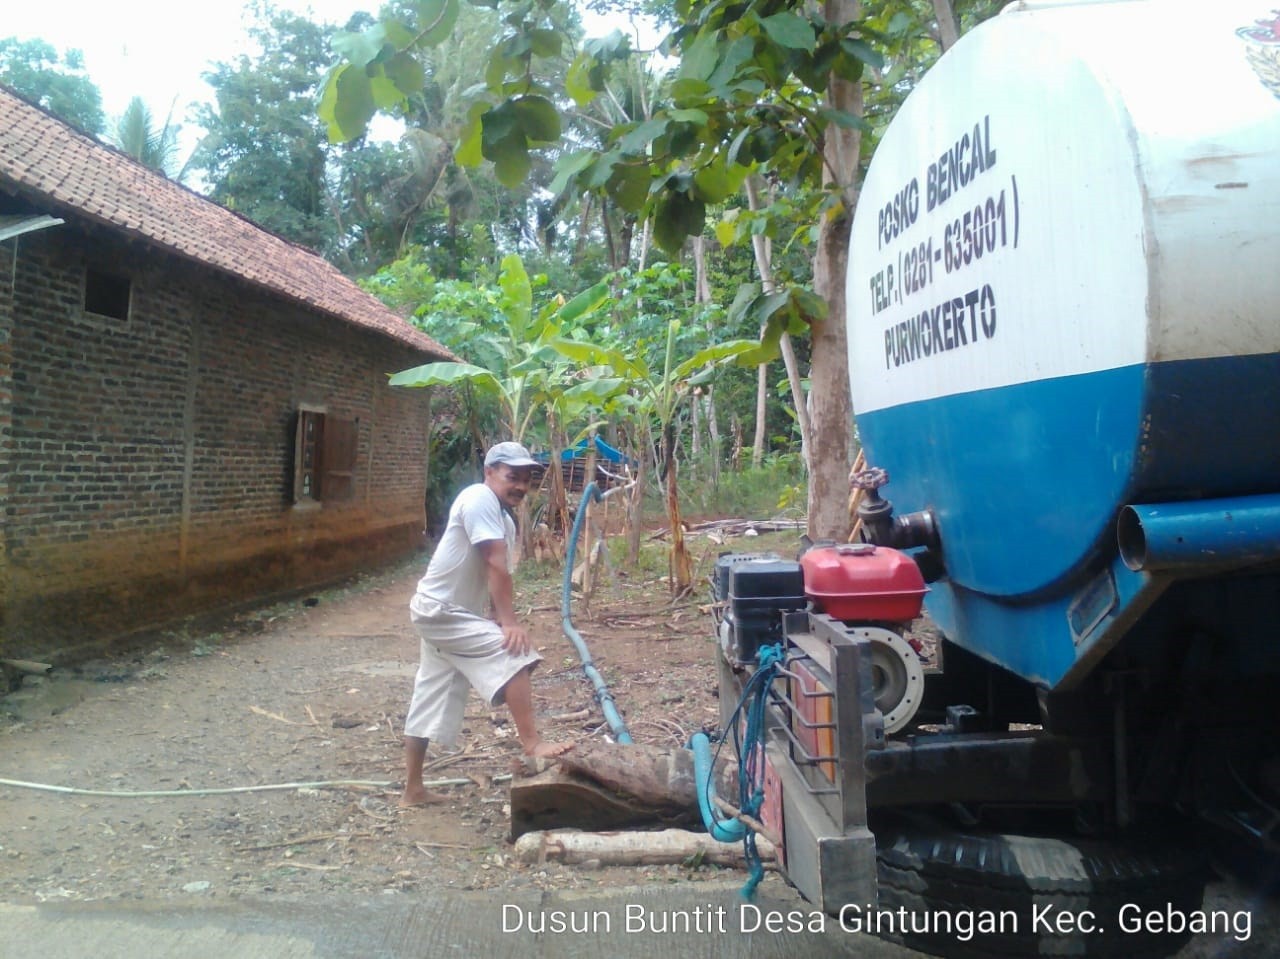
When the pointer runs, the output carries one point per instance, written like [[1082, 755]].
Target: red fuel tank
[[862, 582]]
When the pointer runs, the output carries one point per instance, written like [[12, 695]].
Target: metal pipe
[[1200, 535]]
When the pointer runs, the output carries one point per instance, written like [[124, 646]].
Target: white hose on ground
[[130, 794]]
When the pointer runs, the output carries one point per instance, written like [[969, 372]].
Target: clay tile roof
[[56, 164]]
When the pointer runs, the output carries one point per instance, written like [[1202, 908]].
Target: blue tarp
[[579, 451]]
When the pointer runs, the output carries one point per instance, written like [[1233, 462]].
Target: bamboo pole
[[856, 496]]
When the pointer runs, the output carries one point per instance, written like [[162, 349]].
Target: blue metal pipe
[[611, 715], [1200, 535]]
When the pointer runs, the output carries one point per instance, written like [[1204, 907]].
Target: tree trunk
[[762, 400], [610, 245], [801, 402], [702, 296], [590, 541], [555, 517], [948, 25], [701, 282], [473, 425], [681, 562], [713, 435], [584, 228], [646, 236], [635, 503], [762, 246], [695, 426], [832, 411]]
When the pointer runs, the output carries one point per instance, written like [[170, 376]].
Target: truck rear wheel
[[969, 894]]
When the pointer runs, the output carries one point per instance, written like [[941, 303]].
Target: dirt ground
[[310, 691], [303, 693]]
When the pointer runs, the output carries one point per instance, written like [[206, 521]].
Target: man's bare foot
[[420, 797], [545, 750]]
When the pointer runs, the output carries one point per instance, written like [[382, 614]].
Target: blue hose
[[750, 766], [611, 715], [722, 830], [750, 774]]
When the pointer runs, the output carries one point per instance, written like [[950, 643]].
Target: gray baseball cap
[[511, 454]]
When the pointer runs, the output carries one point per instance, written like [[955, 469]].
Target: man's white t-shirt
[[457, 574]]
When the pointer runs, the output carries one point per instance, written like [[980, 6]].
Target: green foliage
[[761, 492], [264, 154], [58, 83], [790, 94], [136, 134], [381, 71], [523, 373], [651, 391], [743, 98]]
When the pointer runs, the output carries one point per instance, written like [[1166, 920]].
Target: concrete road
[[645, 923], [706, 921]]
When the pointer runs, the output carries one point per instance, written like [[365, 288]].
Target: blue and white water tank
[[1064, 294]]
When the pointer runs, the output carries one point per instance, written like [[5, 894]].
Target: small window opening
[[106, 294]]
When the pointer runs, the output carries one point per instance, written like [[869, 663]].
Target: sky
[[148, 48]]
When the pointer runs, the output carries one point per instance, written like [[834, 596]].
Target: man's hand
[[501, 593], [515, 639]]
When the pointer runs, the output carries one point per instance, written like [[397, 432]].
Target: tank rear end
[[1064, 302]]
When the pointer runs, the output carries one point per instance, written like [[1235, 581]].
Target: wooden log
[[558, 798], [661, 847], [650, 774], [611, 787], [28, 666]]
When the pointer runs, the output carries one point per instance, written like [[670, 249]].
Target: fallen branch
[[424, 846], [321, 837], [281, 719], [663, 847], [675, 729], [376, 816], [755, 825], [471, 752], [734, 527], [159, 793]]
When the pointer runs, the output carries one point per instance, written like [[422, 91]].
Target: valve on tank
[[909, 531]]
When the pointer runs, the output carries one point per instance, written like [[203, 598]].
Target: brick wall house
[[193, 411]]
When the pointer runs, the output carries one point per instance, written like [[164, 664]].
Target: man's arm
[[502, 595]]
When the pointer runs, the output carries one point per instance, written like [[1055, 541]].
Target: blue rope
[[749, 745]]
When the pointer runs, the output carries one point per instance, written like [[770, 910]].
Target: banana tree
[[655, 396], [525, 374]]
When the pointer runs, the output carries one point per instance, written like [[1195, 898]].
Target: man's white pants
[[459, 651]]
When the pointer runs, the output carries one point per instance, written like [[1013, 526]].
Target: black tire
[[940, 884]]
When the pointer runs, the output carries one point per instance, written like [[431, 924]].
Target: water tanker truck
[[1049, 667]]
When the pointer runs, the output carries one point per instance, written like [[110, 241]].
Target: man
[[461, 647]]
